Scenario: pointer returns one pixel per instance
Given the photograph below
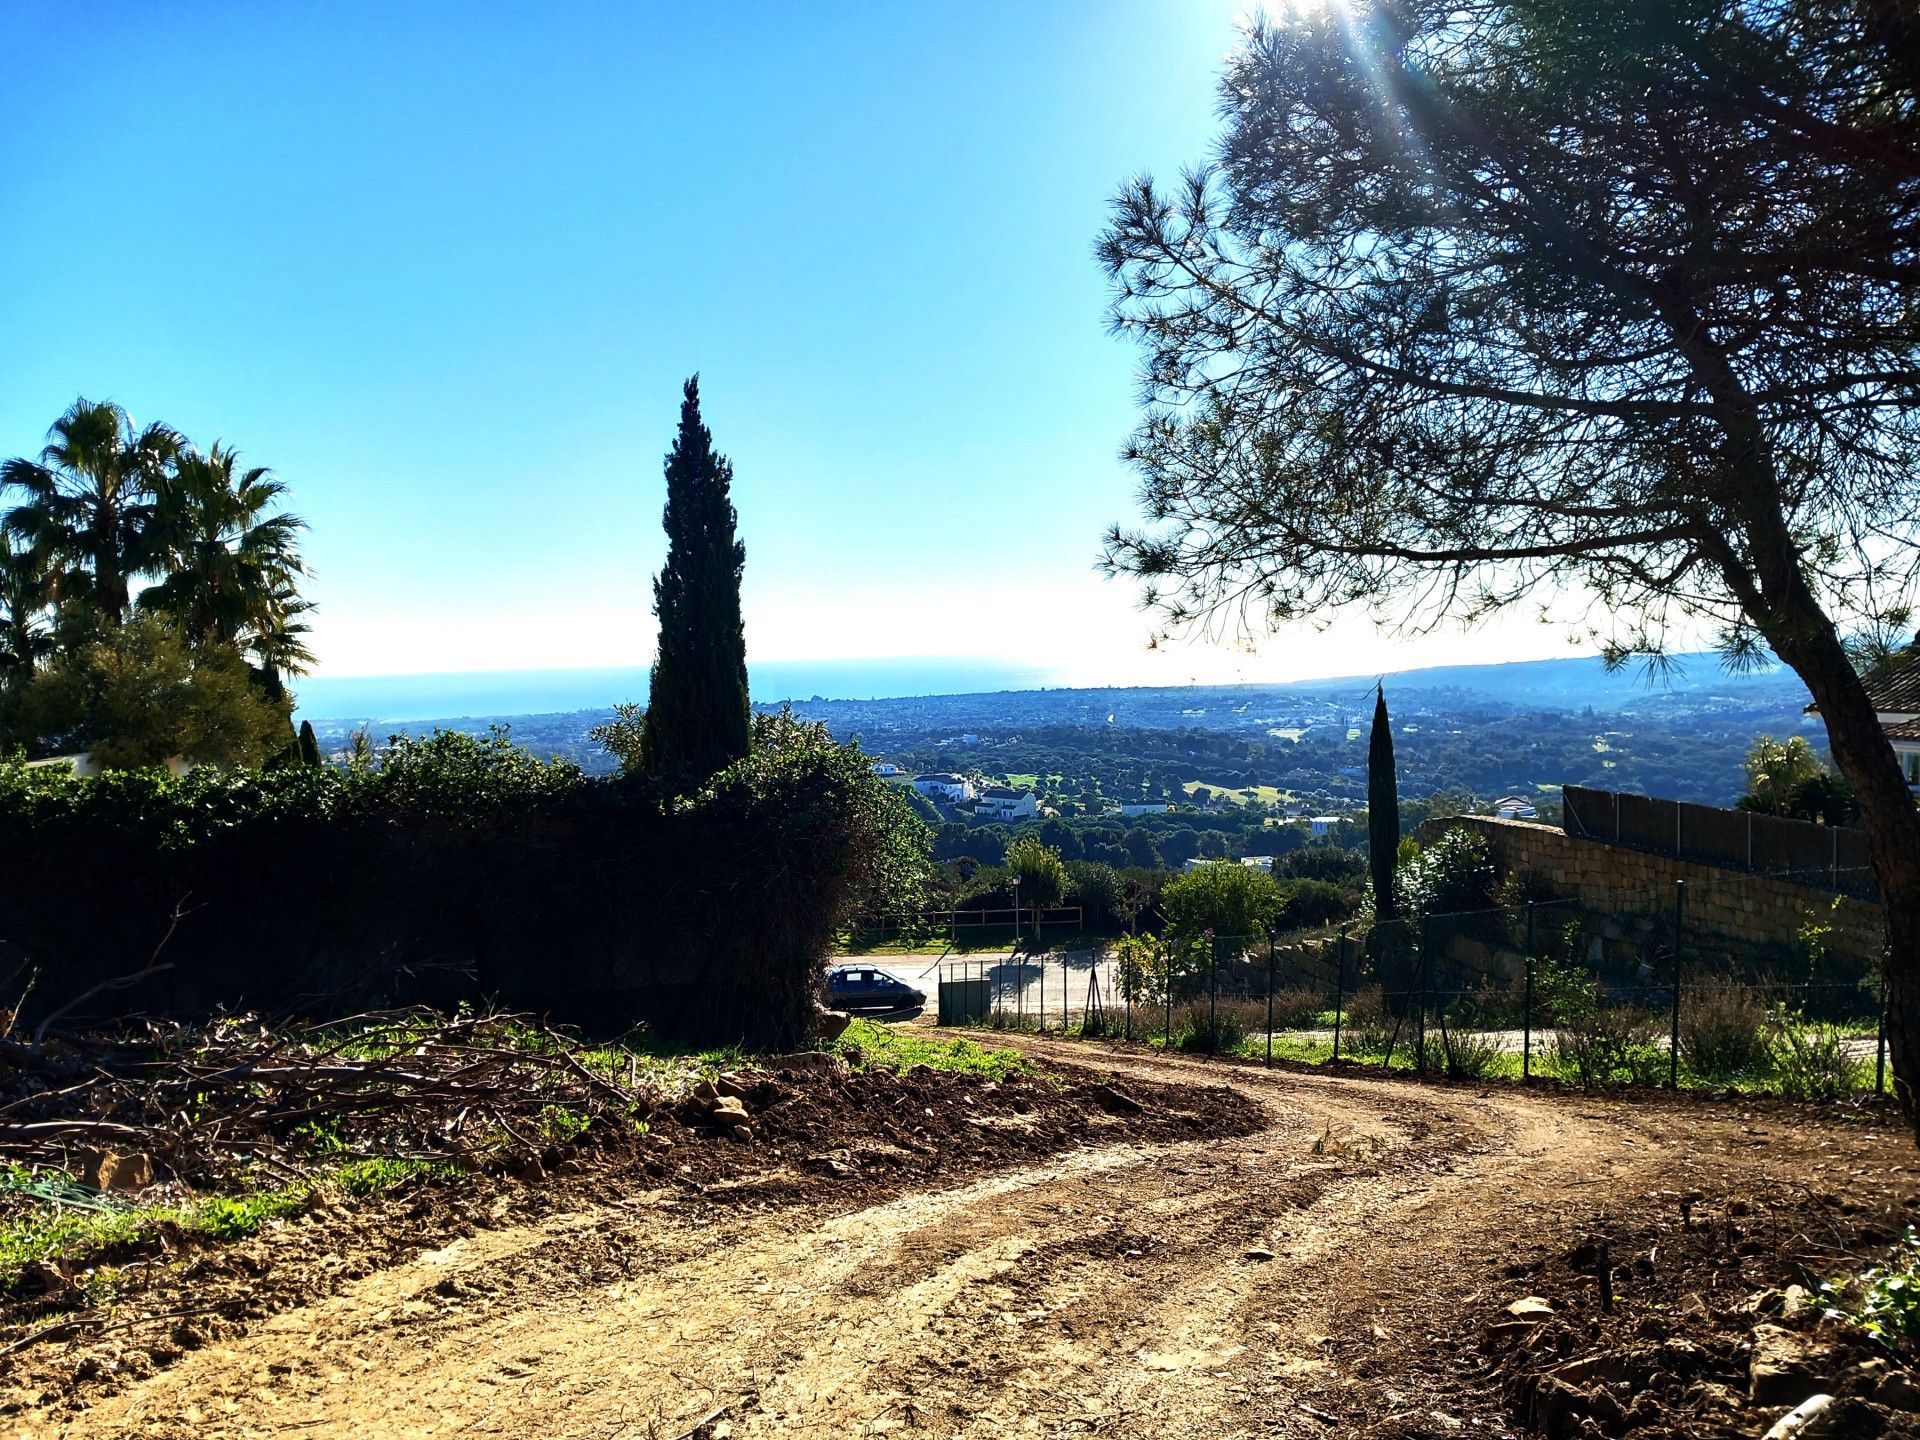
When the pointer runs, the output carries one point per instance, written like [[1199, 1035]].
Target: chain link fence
[[1547, 989]]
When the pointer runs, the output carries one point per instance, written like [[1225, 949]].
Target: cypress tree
[[1383, 811], [309, 744], [697, 713]]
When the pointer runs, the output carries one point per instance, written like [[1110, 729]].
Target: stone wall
[[1743, 910]]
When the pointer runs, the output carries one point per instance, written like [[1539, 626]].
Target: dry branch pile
[[232, 1099]]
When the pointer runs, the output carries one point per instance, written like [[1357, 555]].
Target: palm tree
[[230, 561], [87, 504], [23, 599], [277, 642]]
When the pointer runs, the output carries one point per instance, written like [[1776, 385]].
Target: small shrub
[[1470, 1054], [1214, 1029], [1810, 1059], [1885, 1301], [1369, 1024], [1723, 1028], [1597, 1041], [1297, 1007]]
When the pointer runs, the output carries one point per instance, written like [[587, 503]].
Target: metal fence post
[[1269, 999], [1526, 1034], [1880, 1047], [1166, 984], [1420, 1022], [1213, 996], [1339, 995], [1126, 990], [1673, 1041]]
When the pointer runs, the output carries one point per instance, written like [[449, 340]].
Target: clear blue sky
[[444, 268]]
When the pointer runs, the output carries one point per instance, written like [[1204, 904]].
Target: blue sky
[[444, 268]]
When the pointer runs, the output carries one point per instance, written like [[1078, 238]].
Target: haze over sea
[[1571, 682], [544, 692]]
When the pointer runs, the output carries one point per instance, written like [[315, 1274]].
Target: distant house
[[1321, 824], [1257, 862], [1515, 807], [885, 769], [1154, 807], [999, 802], [953, 789]]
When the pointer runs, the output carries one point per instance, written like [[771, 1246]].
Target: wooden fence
[[1826, 857]]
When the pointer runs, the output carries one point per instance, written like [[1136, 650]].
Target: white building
[[1156, 807], [998, 802], [1321, 824], [1516, 807], [952, 789], [885, 769]]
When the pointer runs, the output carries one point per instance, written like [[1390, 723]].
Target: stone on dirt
[[1259, 1252], [1113, 1101], [1784, 1367], [109, 1170], [830, 1024], [1531, 1308], [728, 1110]]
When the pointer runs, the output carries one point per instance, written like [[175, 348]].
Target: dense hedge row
[[457, 869]]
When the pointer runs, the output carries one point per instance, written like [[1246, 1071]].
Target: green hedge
[[454, 869]]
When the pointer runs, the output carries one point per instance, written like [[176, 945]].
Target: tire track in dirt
[[1108, 1291]]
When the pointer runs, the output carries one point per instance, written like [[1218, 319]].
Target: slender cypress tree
[[309, 744], [697, 713], [1383, 811]]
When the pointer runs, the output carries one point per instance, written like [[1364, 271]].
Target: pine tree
[[697, 713], [1383, 811], [309, 744]]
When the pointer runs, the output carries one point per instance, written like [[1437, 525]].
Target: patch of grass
[[895, 1048], [75, 1238]]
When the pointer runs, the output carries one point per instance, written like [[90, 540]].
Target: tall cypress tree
[[698, 712], [1383, 811]]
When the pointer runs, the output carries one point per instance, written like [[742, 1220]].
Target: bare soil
[[1191, 1249]]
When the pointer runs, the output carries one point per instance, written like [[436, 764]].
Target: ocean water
[[541, 692]]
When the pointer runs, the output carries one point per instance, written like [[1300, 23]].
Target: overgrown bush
[[1452, 874], [1723, 1028], [458, 868]]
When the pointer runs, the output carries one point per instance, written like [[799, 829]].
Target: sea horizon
[[412, 698]]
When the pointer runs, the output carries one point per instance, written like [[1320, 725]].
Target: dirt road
[[1317, 1278]]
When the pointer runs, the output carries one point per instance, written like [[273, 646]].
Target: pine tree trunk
[[1808, 644]]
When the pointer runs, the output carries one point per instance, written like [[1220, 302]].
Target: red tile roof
[[1899, 692]]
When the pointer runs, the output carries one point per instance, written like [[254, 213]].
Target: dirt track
[[1104, 1291]]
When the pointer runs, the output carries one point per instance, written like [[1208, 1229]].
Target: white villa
[[952, 789], [1156, 807], [998, 802]]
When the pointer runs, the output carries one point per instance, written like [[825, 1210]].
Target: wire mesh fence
[[1633, 993]]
